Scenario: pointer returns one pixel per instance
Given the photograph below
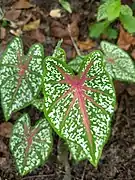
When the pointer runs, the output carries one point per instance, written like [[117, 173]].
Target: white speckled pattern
[[122, 67], [30, 146], [68, 106], [21, 76]]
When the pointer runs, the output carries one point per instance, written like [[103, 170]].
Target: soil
[[118, 158]]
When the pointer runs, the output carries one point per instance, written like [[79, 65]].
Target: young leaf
[[118, 63], [127, 18], [97, 29], [113, 9], [80, 107], [128, 22], [102, 11], [110, 10], [126, 10], [30, 146], [111, 33], [21, 76]]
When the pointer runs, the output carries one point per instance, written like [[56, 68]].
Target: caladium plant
[[20, 76], [80, 107], [30, 145], [118, 63]]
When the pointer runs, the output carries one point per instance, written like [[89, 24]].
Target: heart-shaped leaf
[[80, 107], [20, 76], [118, 63], [30, 145]]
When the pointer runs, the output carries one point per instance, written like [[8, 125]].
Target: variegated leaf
[[39, 104], [30, 146], [20, 76], [80, 107], [76, 63], [118, 63]]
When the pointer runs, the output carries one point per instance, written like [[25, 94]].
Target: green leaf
[[39, 104], [113, 10], [76, 63], [111, 33], [21, 76], [110, 10], [126, 10], [118, 63], [30, 146], [80, 107], [66, 5], [128, 22], [97, 29], [102, 11]]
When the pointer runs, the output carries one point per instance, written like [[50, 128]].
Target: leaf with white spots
[[76, 63], [39, 104], [80, 107], [30, 146], [21, 76], [118, 63]]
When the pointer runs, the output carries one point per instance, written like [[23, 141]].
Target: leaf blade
[[21, 76], [69, 110], [30, 147], [118, 63]]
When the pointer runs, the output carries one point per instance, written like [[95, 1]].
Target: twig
[[73, 41]]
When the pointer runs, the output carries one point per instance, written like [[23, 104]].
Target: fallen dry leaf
[[6, 129], [86, 45], [125, 39], [74, 29], [32, 25], [37, 35], [56, 13], [12, 15], [23, 4], [58, 30]]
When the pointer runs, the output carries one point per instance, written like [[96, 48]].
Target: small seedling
[[108, 12]]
